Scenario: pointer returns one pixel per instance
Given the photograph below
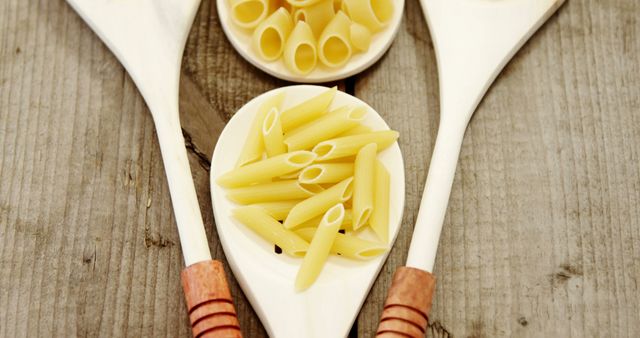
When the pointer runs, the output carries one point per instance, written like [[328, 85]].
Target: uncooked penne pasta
[[269, 37], [316, 205], [360, 37], [347, 222], [272, 134], [272, 192], [300, 53], [348, 246], [379, 220], [278, 210], [254, 145], [317, 15], [249, 13], [307, 110], [359, 129], [266, 169], [301, 3], [319, 248], [325, 128], [326, 173], [363, 180], [374, 14], [334, 44], [268, 228], [350, 145]]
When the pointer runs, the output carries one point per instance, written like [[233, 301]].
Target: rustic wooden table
[[542, 237]]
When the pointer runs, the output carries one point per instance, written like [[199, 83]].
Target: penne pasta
[[319, 248], [326, 173], [347, 222], [317, 204], [272, 192], [334, 44], [359, 129], [307, 110], [373, 14], [360, 37], [266, 169], [300, 54], [317, 15], [254, 145], [268, 228], [249, 13], [348, 246], [363, 180], [278, 210], [269, 37], [379, 220], [290, 176], [325, 128], [272, 134], [337, 5], [350, 145], [302, 3]]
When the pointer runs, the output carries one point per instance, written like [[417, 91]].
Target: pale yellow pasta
[[363, 180], [359, 129], [374, 14], [334, 44], [249, 13], [325, 128], [337, 5], [268, 228], [267, 169], [254, 145], [348, 246], [278, 210], [347, 222], [316, 205], [379, 220], [350, 145], [317, 15], [319, 248], [360, 37], [272, 134], [302, 3], [326, 173], [293, 175], [269, 37], [273, 191], [300, 54], [307, 110], [298, 129]]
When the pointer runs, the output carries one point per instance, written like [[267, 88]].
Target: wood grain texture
[[542, 237]]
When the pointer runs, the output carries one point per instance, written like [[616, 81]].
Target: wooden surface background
[[542, 237]]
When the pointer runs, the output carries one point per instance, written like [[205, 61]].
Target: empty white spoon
[[148, 38], [474, 40], [329, 307]]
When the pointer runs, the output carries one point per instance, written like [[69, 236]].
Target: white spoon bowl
[[329, 307], [381, 41]]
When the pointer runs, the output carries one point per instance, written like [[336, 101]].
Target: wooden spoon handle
[[406, 310], [209, 302]]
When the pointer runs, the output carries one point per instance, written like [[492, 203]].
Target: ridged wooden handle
[[211, 310], [406, 310]]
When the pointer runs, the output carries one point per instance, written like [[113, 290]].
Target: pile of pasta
[[303, 31], [310, 181]]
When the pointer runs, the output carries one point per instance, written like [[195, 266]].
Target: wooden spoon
[[148, 37], [474, 40]]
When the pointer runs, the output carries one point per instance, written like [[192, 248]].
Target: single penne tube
[[300, 54], [359, 129], [298, 129], [374, 14], [307, 110], [334, 44], [271, 230], [325, 173], [320, 247], [271, 34], [348, 246], [272, 134], [346, 223], [325, 128], [350, 145], [379, 220], [253, 147], [317, 15], [363, 180], [267, 169], [249, 13], [360, 37], [278, 210], [273, 191], [318, 204]]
